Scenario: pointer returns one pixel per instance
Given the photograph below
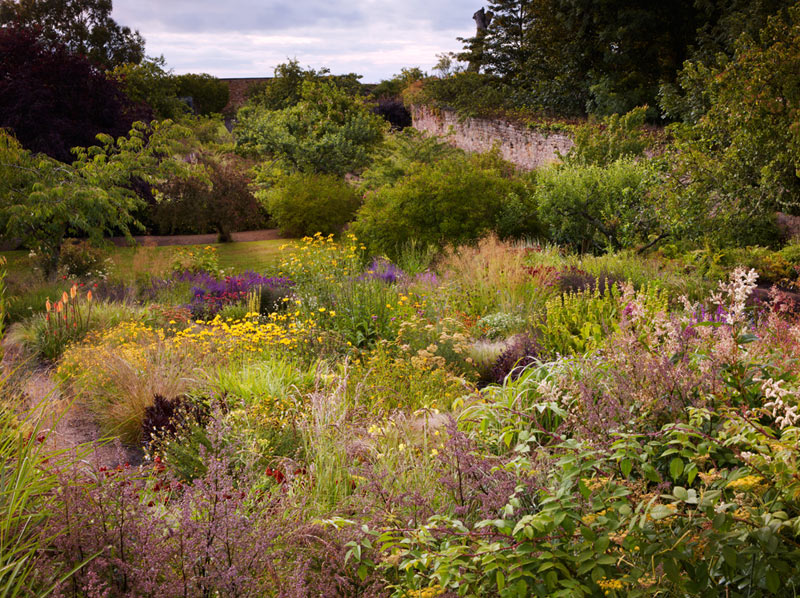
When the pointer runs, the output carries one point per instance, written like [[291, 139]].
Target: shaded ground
[[165, 240]]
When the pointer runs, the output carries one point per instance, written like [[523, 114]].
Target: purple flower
[[383, 269]]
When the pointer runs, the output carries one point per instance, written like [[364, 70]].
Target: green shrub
[[455, 200], [209, 94], [402, 150], [594, 208], [80, 259], [304, 204], [617, 137]]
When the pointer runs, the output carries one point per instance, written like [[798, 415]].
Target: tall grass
[[28, 480], [492, 276]]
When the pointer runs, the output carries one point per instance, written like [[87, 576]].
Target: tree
[[209, 95], [83, 26], [326, 131], [43, 201], [741, 161], [285, 88], [53, 99], [150, 83]]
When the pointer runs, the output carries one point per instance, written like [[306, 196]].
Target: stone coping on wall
[[519, 144]]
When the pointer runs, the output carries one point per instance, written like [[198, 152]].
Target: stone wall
[[521, 145]]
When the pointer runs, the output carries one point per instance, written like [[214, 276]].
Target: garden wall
[[526, 147]]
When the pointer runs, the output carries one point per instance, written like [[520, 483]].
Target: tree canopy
[[83, 26], [607, 56], [54, 99]]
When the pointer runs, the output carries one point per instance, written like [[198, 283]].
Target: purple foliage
[[522, 351], [146, 533]]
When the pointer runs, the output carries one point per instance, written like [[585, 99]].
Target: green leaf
[[625, 467], [501, 580], [773, 581], [680, 493], [676, 468], [729, 555]]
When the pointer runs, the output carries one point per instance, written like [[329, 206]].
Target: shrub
[[209, 94], [737, 164], [521, 352], [304, 204], [402, 150], [195, 260], [617, 137], [80, 259], [595, 208], [455, 200]]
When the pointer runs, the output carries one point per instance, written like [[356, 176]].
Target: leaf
[[676, 468], [773, 581], [625, 467], [661, 512], [501, 580], [680, 493], [729, 555]]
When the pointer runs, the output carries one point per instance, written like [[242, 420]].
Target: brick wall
[[238, 91], [520, 145]]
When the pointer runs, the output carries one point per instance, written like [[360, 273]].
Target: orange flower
[[89, 296], [73, 291], [59, 306], [64, 298], [48, 306]]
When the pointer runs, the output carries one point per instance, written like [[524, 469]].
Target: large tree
[[53, 99], [83, 26]]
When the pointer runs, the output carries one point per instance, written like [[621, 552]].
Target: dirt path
[[165, 240], [70, 425]]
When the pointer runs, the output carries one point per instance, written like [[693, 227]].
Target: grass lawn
[[234, 257]]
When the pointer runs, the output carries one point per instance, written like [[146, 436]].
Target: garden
[[449, 377]]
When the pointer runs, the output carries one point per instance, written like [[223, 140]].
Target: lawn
[[235, 257]]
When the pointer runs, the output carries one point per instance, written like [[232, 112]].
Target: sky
[[248, 38]]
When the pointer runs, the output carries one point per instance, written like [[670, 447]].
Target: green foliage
[[209, 94], [399, 153], [454, 200], [395, 86], [3, 298], [738, 164], [285, 89], [195, 259], [84, 26], [617, 137], [150, 83], [327, 131], [595, 208], [304, 204], [80, 259], [44, 201], [28, 479], [469, 94]]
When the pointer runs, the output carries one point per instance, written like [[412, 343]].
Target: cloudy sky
[[247, 38]]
